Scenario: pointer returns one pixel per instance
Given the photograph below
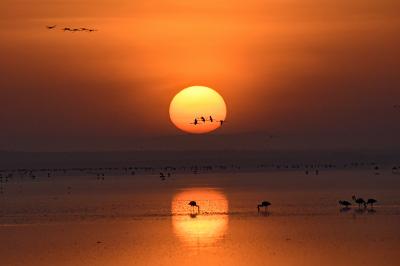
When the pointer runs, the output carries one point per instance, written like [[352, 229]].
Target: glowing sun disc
[[196, 102]]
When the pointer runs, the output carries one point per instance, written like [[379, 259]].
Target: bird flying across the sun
[[221, 122], [195, 122], [51, 27]]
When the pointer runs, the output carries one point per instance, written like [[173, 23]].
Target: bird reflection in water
[[203, 227]]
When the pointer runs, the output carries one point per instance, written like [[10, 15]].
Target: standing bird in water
[[371, 202], [194, 204], [264, 205], [211, 119], [51, 27], [359, 201], [344, 203]]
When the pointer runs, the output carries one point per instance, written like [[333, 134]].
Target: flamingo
[[221, 122], [264, 204], [194, 204], [344, 203], [359, 201], [371, 202], [195, 122], [162, 176]]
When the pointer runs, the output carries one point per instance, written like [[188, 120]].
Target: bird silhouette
[[195, 122], [51, 27], [194, 204], [264, 205], [211, 119], [359, 201], [66, 29], [221, 122], [371, 202], [344, 203]]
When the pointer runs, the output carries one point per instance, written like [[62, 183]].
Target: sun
[[197, 109]]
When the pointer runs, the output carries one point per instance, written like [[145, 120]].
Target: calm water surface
[[145, 221]]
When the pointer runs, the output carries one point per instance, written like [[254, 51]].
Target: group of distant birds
[[359, 201], [202, 119], [53, 27], [265, 204]]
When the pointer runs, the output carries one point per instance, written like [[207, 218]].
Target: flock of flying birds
[[197, 120], [53, 27]]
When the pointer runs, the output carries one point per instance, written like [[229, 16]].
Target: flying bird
[[221, 122], [195, 122]]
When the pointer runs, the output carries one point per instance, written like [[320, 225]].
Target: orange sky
[[293, 68]]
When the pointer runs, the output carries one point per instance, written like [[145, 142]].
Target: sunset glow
[[194, 103], [197, 228]]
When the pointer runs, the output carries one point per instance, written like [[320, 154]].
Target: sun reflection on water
[[204, 227]]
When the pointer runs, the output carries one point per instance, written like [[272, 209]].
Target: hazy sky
[[326, 71]]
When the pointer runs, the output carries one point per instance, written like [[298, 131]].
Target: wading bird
[[211, 119], [344, 203], [194, 204], [51, 27], [264, 205], [359, 201], [371, 202], [66, 29]]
